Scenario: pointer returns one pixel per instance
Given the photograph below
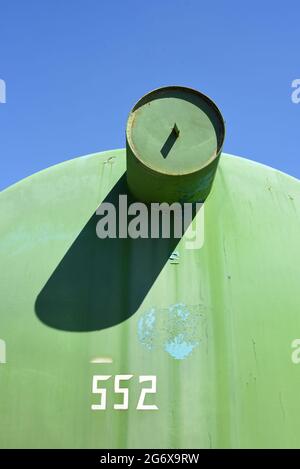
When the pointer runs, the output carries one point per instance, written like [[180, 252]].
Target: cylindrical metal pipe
[[174, 139]]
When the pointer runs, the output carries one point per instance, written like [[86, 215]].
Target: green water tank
[[151, 343]]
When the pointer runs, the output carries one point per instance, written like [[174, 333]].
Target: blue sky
[[73, 69]]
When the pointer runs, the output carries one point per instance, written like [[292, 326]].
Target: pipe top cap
[[175, 131]]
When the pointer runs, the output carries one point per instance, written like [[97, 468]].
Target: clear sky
[[74, 68]]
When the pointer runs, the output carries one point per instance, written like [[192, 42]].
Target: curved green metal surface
[[215, 327]]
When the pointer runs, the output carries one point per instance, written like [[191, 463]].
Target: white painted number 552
[[118, 389]]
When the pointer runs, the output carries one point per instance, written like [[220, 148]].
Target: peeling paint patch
[[146, 327], [177, 329], [178, 348], [2, 351]]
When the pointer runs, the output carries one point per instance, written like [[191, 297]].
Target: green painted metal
[[174, 139], [215, 326]]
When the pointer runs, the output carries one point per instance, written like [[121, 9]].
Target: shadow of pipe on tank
[[100, 283]]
